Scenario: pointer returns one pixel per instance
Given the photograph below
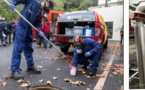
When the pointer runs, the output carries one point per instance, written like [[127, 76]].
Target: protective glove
[[41, 34], [87, 54], [12, 6], [4, 35]]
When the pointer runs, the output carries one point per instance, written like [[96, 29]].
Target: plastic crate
[[78, 30], [68, 31]]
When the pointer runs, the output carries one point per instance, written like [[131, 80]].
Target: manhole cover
[[44, 87]]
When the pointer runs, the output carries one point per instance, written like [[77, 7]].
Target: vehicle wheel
[[65, 48], [106, 44]]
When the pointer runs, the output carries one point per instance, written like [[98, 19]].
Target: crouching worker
[[23, 38], [85, 49]]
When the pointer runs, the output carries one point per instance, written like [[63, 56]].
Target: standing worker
[[85, 49], [121, 34], [23, 39], [46, 30], [8, 31]]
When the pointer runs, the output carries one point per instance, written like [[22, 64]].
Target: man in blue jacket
[[23, 39], [84, 49]]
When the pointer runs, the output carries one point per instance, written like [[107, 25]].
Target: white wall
[[115, 14], [100, 2], [134, 1]]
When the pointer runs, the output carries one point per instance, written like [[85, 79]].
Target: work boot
[[85, 67], [33, 70], [92, 73], [17, 75]]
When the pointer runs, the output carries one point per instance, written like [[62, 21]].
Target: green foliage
[[63, 5], [58, 5], [7, 13]]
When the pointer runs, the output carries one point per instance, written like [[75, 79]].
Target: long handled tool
[[66, 57]]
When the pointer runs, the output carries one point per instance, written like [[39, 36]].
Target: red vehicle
[[50, 14], [83, 23]]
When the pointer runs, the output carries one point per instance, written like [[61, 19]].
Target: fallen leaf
[[100, 75], [6, 77], [44, 69], [110, 75], [55, 58], [83, 83], [121, 88], [88, 77], [72, 83], [119, 65], [28, 82], [46, 57], [83, 72], [88, 89], [48, 83], [55, 78], [58, 69], [24, 85], [3, 84], [106, 69], [42, 61], [77, 83], [115, 73], [120, 81], [113, 68], [41, 80], [39, 67], [67, 80], [1, 80], [103, 64], [20, 81]]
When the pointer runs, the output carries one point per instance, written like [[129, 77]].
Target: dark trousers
[[121, 39], [8, 37], [13, 37], [45, 42], [95, 58]]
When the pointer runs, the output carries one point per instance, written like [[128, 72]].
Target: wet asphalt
[[52, 65]]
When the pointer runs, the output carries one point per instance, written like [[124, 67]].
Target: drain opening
[[44, 87]]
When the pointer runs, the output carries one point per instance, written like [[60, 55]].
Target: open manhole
[[44, 87]]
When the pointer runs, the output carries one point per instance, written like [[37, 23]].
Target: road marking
[[101, 81]]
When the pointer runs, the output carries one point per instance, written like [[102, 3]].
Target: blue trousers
[[45, 42], [95, 58], [23, 42]]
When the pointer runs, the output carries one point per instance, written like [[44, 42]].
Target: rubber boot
[[33, 70], [17, 75], [92, 73]]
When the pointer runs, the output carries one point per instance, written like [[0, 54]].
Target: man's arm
[[97, 47]]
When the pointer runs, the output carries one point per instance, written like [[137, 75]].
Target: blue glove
[[87, 54], [12, 6], [41, 34]]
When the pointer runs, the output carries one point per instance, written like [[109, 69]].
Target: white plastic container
[[68, 31], [78, 30], [73, 71]]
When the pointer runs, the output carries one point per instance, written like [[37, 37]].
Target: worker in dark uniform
[[23, 39], [85, 49]]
